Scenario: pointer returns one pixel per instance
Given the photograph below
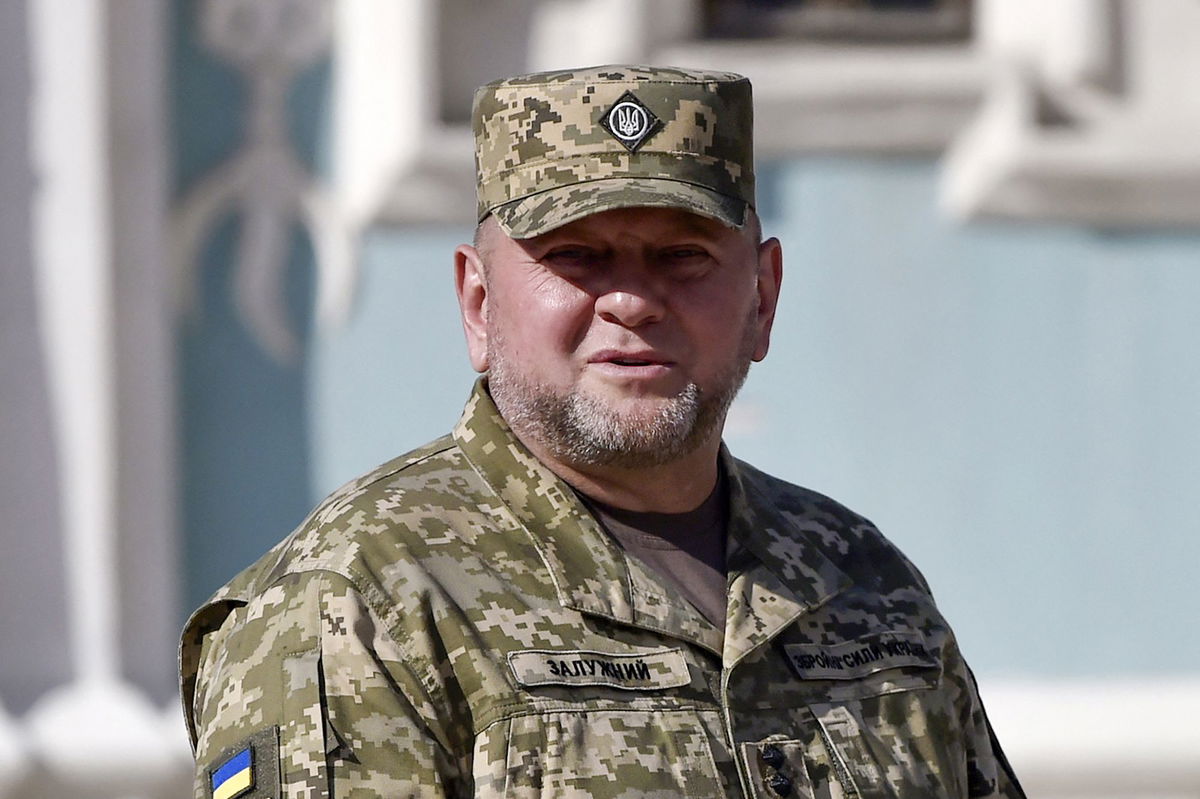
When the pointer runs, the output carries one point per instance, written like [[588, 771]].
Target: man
[[580, 592]]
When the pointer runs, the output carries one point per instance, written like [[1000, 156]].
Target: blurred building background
[[225, 288]]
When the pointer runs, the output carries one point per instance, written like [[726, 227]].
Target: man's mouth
[[630, 359]]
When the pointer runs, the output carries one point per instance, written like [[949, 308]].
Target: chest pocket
[[898, 745], [877, 723], [599, 753]]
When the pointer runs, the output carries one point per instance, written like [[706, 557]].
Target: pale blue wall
[[396, 374], [1018, 407]]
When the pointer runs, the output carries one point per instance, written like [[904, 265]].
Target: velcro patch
[[248, 771], [853, 660], [638, 671]]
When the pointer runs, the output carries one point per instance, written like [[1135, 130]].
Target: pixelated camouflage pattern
[[543, 156], [378, 639]]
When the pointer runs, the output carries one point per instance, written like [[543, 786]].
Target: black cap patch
[[630, 121]]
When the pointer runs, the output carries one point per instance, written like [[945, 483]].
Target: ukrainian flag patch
[[248, 771], [235, 776]]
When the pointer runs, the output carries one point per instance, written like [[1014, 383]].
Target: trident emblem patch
[[630, 121]]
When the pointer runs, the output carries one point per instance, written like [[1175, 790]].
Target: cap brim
[[542, 212]]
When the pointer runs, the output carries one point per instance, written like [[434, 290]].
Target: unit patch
[[852, 660], [640, 671], [248, 771], [630, 121]]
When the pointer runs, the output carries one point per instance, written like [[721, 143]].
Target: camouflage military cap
[[554, 147]]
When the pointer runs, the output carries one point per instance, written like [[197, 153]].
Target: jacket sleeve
[[305, 676], [1007, 785], [988, 773]]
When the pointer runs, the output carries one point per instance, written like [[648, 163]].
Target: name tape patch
[[641, 671], [852, 660]]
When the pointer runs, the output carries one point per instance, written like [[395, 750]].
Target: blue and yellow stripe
[[235, 776]]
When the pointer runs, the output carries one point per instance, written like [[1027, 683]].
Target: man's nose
[[631, 304]]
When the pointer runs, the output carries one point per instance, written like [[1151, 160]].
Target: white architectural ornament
[[861, 99], [406, 70], [1087, 114], [265, 183], [1091, 115], [14, 755], [403, 144], [73, 732]]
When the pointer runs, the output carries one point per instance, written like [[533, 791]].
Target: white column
[[385, 117], [97, 734], [71, 248], [379, 120]]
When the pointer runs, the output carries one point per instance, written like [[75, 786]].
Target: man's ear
[[770, 277], [470, 283]]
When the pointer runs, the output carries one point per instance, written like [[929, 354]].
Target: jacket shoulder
[[340, 538], [848, 539], [347, 524]]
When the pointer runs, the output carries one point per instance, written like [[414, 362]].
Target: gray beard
[[581, 430]]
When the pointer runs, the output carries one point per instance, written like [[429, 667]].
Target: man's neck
[[675, 487]]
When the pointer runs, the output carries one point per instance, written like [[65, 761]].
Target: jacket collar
[[775, 573]]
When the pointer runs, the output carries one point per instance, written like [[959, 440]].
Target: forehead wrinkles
[[488, 233]]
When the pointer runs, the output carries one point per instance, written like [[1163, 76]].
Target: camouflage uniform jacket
[[456, 623]]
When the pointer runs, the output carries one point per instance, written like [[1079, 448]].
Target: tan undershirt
[[686, 550]]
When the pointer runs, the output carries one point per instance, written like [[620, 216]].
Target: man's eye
[[570, 255], [685, 261]]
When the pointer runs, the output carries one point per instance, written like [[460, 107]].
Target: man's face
[[619, 339]]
